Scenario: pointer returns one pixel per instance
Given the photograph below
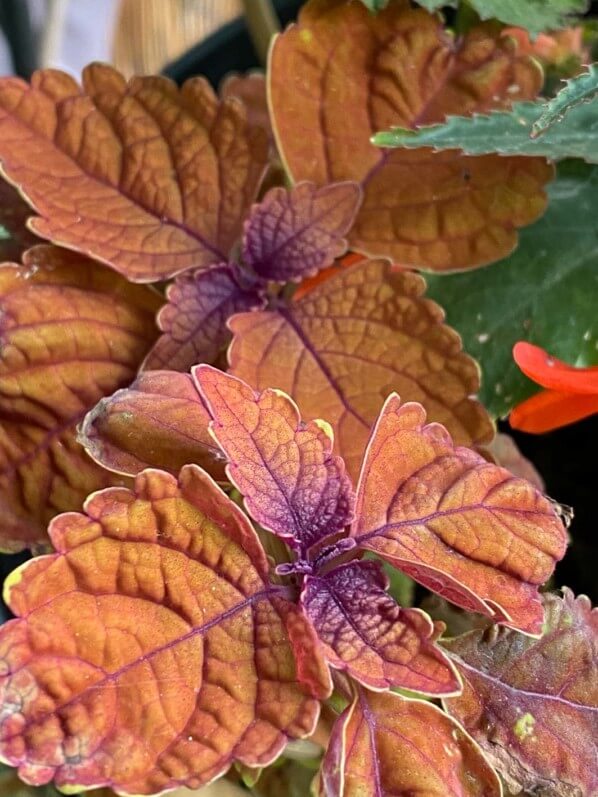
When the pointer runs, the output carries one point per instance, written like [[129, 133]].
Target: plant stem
[[263, 25]]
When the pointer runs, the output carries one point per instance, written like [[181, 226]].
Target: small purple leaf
[[194, 320], [292, 235], [366, 633]]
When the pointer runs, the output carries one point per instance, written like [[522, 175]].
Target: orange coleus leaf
[[533, 704], [350, 341], [385, 745], [571, 394], [151, 650], [342, 74], [159, 421], [463, 527], [146, 177], [71, 331], [250, 88]]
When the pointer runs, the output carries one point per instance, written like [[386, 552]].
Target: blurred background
[[136, 35]]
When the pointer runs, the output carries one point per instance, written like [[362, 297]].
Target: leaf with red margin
[[194, 320], [292, 484], [151, 651], [461, 526], [71, 331], [341, 74], [159, 421], [353, 339], [385, 745], [366, 633], [533, 704], [293, 234], [146, 177], [14, 234]]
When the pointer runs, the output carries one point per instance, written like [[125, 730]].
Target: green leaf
[[375, 5], [544, 292], [506, 133], [533, 15], [580, 89], [434, 5]]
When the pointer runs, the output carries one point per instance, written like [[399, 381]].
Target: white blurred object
[[6, 65], [73, 32]]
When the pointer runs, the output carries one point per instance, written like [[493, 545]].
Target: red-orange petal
[[554, 374], [550, 410]]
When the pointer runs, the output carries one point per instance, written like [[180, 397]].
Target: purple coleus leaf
[[288, 236], [418, 491], [366, 633], [293, 485], [194, 320], [291, 235]]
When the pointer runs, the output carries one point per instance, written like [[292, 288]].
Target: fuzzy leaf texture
[[342, 73], [107, 167], [294, 487], [464, 528], [158, 421], [193, 321], [366, 633], [578, 90], [176, 638], [352, 339], [294, 234], [533, 704], [292, 483], [71, 331], [509, 133], [545, 293], [385, 745]]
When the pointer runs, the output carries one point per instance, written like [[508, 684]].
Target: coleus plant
[[157, 644], [165, 638], [155, 181]]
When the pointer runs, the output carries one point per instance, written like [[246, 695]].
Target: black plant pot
[[229, 49]]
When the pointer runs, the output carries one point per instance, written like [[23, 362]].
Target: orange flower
[[552, 49], [570, 395]]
